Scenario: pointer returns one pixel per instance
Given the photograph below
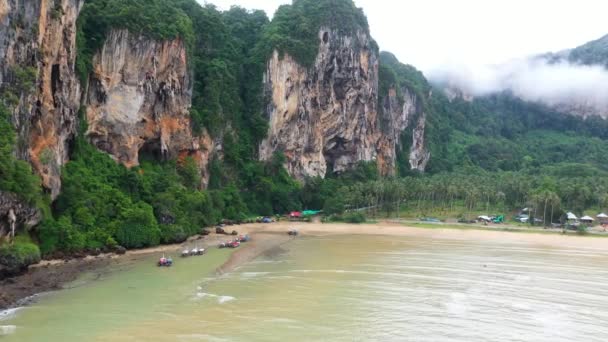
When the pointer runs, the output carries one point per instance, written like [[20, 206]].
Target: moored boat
[[165, 262]]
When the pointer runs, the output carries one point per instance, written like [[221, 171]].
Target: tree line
[[547, 197]]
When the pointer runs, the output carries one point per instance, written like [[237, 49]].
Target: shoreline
[[547, 238], [56, 274], [53, 275]]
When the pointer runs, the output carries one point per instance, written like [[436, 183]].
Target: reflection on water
[[349, 288]]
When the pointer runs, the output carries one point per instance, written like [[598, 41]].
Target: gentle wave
[[9, 313], [220, 299], [254, 274], [7, 329]]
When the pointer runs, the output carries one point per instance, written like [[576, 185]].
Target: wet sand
[[261, 243]]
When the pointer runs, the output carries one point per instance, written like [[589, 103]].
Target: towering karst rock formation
[[326, 116], [139, 97]]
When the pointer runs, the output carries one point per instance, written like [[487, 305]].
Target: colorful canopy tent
[[295, 214], [310, 212], [571, 216]]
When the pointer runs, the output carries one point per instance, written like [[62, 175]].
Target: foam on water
[[7, 329], [254, 274], [9, 313], [200, 337], [220, 299]]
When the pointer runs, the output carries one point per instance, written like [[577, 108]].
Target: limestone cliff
[[327, 118], [324, 117], [402, 114], [37, 39], [139, 98]]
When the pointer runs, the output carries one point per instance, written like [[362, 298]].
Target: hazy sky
[[432, 33]]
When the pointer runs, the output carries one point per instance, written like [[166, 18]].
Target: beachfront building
[[588, 220]]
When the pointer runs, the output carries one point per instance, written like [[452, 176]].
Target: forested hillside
[[592, 53], [495, 151]]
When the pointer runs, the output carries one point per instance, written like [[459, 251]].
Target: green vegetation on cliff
[[158, 19], [295, 28], [16, 175]]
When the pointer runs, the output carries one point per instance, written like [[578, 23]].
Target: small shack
[[587, 220], [571, 217], [603, 218]]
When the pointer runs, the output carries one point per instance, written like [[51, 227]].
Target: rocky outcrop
[[403, 113], [37, 54], [324, 117], [139, 98], [327, 118], [15, 213]]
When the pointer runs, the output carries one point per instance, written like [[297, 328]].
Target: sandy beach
[[51, 275], [396, 229]]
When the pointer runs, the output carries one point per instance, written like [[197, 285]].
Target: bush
[[98, 239], [172, 233], [15, 258], [137, 227], [333, 205], [581, 230], [356, 217]]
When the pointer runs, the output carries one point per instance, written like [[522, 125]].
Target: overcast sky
[[432, 33]]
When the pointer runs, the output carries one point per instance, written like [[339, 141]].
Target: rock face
[[37, 38], [325, 117], [139, 98], [399, 115], [14, 210]]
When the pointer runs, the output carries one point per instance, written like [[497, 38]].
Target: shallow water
[[341, 288]]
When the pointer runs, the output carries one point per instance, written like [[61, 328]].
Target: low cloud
[[579, 87]]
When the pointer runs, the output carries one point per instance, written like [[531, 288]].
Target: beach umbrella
[[571, 216], [602, 216], [587, 218]]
